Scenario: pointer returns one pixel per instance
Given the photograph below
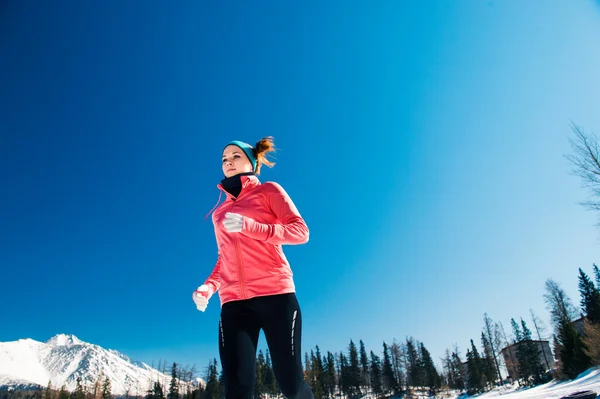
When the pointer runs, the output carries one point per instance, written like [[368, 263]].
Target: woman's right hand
[[200, 297]]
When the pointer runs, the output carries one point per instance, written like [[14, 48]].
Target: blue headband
[[247, 148]]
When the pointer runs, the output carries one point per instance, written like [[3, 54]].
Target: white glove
[[233, 222], [200, 297]]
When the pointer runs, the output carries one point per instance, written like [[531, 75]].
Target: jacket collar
[[248, 182]]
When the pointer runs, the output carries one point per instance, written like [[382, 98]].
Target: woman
[[253, 276]]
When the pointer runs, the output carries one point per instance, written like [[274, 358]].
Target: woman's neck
[[233, 184]]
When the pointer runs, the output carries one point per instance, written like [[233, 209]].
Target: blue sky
[[422, 141]]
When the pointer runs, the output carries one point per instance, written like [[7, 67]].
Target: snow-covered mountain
[[64, 358]]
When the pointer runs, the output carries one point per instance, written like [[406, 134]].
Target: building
[[578, 325], [512, 364]]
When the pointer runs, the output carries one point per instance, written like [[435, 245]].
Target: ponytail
[[261, 149]]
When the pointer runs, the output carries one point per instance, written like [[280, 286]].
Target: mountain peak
[[64, 340], [64, 359]]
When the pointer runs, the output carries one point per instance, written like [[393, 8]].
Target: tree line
[[399, 369]]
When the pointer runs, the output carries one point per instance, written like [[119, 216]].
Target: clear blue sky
[[422, 141]]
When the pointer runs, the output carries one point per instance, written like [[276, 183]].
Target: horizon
[[423, 143], [262, 346], [587, 380]]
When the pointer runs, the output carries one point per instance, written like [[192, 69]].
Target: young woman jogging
[[253, 276]]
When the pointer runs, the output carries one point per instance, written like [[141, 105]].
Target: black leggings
[[241, 321]]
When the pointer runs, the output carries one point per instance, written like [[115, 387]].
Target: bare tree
[[592, 341], [559, 304], [397, 356], [586, 164], [511, 362], [539, 329], [491, 332]]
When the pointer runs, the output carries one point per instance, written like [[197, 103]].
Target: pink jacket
[[251, 263]]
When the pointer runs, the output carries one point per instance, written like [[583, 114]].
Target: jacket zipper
[[239, 261], [240, 267]]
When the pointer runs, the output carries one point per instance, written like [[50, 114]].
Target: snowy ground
[[590, 380]]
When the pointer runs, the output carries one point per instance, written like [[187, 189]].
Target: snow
[[64, 340], [589, 380], [20, 360], [15, 383], [64, 358]]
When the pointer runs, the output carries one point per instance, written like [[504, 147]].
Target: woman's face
[[235, 161]]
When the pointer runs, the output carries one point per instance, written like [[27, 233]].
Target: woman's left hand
[[233, 222]]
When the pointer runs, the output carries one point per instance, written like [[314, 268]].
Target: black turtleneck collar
[[233, 184]]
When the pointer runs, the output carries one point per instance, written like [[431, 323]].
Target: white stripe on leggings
[[222, 335], [293, 326]]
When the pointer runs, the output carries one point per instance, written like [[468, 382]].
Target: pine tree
[[591, 337], [364, 365], [390, 384], [354, 371], [48, 394], [158, 392], [453, 367], [259, 388], [528, 354], [415, 371], [571, 350], [174, 386], [523, 369], [489, 368], [568, 344], [330, 375], [308, 373], [198, 393], [432, 378], [376, 375], [532, 351], [474, 369], [213, 385], [221, 386], [319, 375], [459, 370], [471, 382], [590, 298], [106, 394], [79, 392], [344, 383], [516, 331], [270, 382], [63, 393]]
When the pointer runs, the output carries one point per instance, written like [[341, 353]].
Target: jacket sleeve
[[291, 228], [214, 280]]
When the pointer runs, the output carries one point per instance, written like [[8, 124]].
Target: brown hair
[[261, 149]]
